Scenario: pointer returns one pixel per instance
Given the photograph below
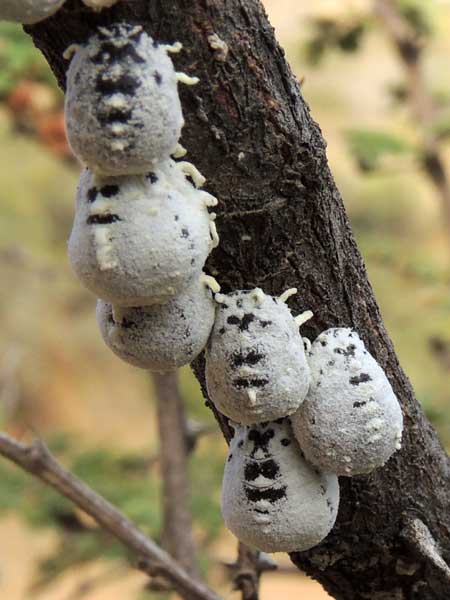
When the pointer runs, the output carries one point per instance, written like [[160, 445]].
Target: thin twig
[[37, 460], [177, 535], [246, 571]]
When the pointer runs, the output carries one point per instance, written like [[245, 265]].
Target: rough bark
[[282, 223]]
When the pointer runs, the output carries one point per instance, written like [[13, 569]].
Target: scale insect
[[141, 239], [272, 499], [28, 12], [351, 421], [256, 368], [123, 112], [160, 337]]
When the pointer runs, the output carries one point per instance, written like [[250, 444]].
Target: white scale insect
[[160, 337], [28, 12], [123, 112], [351, 421], [272, 499], [141, 239], [256, 368]]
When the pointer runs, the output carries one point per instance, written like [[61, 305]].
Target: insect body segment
[[123, 113], [161, 337], [351, 421], [139, 240], [271, 498], [256, 368]]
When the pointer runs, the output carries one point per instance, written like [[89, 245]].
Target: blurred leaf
[[418, 15], [369, 147], [328, 34], [19, 59]]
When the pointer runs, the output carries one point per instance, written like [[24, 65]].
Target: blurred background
[[375, 73]]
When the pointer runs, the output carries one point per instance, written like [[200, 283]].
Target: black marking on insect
[[249, 358], [271, 494], [185, 233], [158, 77], [331, 363], [361, 378], [260, 440], [359, 404], [154, 179], [105, 219], [108, 191], [125, 84], [285, 442], [349, 351], [92, 194], [222, 330], [230, 456], [323, 343], [111, 52], [240, 443], [260, 511], [265, 323], [268, 469], [116, 115], [243, 323], [250, 382]]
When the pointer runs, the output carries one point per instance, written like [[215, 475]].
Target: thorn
[[70, 51], [213, 231]]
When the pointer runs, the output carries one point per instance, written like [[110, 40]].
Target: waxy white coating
[[272, 499], [160, 337], [28, 11], [256, 368], [123, 112], [351, 421], [141, 239]]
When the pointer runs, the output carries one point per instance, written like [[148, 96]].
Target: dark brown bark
[[282, 224], [177, 536]]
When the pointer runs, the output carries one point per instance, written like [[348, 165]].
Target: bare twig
[[177, 535], [246, 571], [409, 48], [37, 460]]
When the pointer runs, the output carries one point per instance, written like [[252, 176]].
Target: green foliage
[[329, 34], [19, 59], [369, 147], [418, 15]]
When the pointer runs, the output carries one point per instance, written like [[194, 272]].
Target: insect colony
[[302, 414]]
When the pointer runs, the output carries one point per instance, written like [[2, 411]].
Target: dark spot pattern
[[126, 84], [116, 115], [349, 351], [249, 358], [361, 378], [285, 442], [243, 323], [109, 52], [359, 404], [247, 382], [106, 219], [108, 191], [267, 469], [260, 440], [153, 179], [92, 194], [158, 78], [272, 495], [185, 233]]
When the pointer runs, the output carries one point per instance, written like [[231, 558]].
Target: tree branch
[[250, 132], [177, 535], [37, 460]]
